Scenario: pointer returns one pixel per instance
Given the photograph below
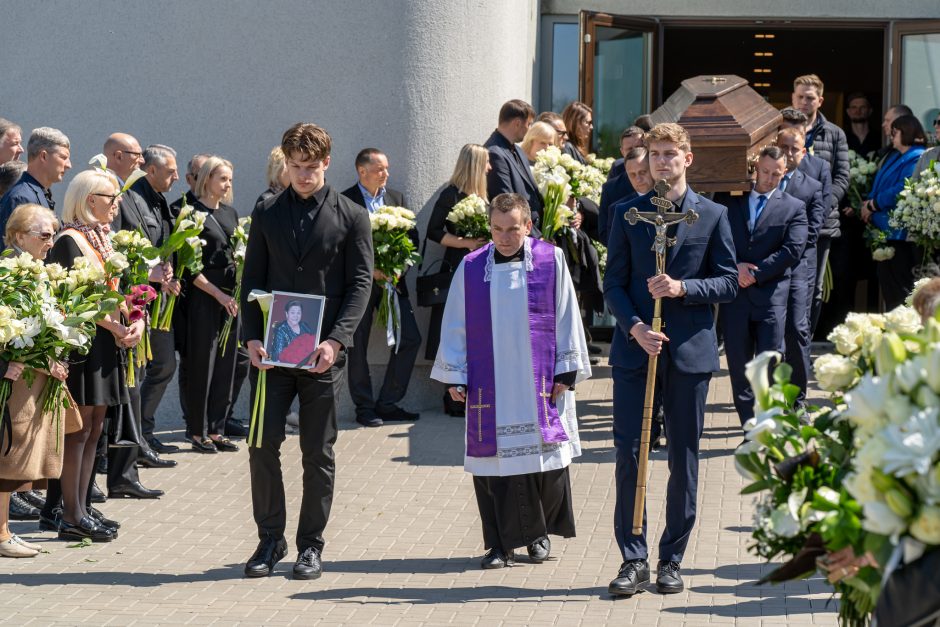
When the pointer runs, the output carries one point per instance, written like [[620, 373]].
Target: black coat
[[437, 225], [507, 175], [134, 212], [335, 262]]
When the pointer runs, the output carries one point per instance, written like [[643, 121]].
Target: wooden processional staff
[[661, 220]]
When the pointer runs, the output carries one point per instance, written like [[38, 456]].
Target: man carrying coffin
[[512, 317], [699, 272]]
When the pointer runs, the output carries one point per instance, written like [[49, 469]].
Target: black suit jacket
[[774, 246], [335, 262], [506, 175], [134, 213], [393, 198]]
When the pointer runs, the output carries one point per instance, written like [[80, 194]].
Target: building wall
[[841, 9]]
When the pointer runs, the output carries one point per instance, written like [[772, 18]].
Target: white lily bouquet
[[861, 176], [469, 218], [394, 253], [601, 163], [186, 244], [553, 181], [918, 210], [585, 180], [239, 246]]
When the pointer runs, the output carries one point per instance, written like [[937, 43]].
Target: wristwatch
[[685, 290]]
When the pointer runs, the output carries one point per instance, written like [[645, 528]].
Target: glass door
[[916, 70], [619, 68]]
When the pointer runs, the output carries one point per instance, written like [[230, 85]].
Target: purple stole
[[481, 372]]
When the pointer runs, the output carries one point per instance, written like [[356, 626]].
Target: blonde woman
[[276, 175], [539, 137], [96, 380], [36, 446], [209, 303]]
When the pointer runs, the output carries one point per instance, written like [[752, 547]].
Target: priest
[[512, 348]]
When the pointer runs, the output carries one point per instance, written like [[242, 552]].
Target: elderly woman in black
[[209, 304]]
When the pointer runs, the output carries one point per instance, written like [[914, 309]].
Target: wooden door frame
[[588, 21], [900, 28]]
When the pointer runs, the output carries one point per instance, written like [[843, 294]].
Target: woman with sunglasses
[[896, 275], [35, 453], [96, 380]]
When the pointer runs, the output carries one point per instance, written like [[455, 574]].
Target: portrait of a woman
[[292, 334]]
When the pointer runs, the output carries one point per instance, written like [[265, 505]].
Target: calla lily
[[264, 300], [889, 354], [99, 160], [757, 373], [133, 178]]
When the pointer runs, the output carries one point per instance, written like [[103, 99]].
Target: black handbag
[[432, 287]]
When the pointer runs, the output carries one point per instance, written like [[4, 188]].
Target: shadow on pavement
[[443, 596]]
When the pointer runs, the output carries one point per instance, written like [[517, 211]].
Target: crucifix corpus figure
[[512, 347], [674, 289]]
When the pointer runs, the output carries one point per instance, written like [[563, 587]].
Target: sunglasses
[[44, 236], [936, 122]]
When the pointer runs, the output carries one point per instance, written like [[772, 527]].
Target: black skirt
[[98, 378]]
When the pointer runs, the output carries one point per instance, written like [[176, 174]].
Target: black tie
[[48, 194]]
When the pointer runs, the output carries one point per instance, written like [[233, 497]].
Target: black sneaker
[[497, 558], [668, 579], [34, 498], [308, 565], [630, 579], [21, 510]]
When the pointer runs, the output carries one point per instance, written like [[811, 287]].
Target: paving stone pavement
[[404, 544]]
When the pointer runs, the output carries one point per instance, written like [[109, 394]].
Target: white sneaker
[[28, 545], [15, 549]]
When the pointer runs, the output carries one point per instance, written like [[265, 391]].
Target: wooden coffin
[[728, 122]]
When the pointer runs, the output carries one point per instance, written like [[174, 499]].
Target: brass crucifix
[[661, 220], [480, 406]]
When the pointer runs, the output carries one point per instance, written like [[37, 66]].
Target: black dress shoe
[[85, 528], [497, 558], [161, 448], [204, 445], [97, 496], [668, 579], [50, 523], [21, 510], [594, 349], [369, 420], [101, 520], [630, 579], [151, 460], [226, 445], [34, 498], [308, 565], [134, 490], [539, 550], [396, 414], [270, 551], [235, 429]]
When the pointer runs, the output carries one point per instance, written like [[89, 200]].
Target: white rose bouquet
[[394, 253], [239, 246], [861, 176], [469, 218], [602, 164], [553, 181], [918, 210]]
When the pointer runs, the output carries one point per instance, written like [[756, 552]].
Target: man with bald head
[[124, 154]]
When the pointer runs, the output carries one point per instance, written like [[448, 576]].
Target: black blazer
[[393, 198], [506, 175], [134, 213], [437, 225], [775, 245], [335, 262]]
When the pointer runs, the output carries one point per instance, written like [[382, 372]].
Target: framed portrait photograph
[[293, 330]]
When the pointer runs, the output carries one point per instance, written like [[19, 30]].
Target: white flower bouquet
[[861, 176], [394, 253], [918, 209], [555, 186], [469, 218], [239, 246], [185, 243]]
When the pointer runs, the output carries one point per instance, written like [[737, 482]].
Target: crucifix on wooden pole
[[661, 220]]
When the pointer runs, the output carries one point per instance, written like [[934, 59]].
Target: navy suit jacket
[[774, 247], [810, 191], [703, 256], [613, 191], [816, 168], [506, 175], [616, 169]]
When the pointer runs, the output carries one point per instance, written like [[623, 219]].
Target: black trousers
[[520, 509], [122, 460], [317, 394], [797, 338], [242, 364], [823, 244], [749, 331], [896, 275], [400, 364], [159, 374], [210, 375], [684, 407]]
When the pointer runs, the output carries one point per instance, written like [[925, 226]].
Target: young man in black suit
[[370, 191], [509, 166], [312, 240]]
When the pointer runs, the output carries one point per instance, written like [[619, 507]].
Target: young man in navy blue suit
[[700, 272], [797, 336], [769, 229]]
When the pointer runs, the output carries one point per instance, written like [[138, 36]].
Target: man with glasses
[[47, 161]]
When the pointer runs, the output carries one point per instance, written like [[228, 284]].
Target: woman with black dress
[[95, 381], [469, 177], [210, 303]]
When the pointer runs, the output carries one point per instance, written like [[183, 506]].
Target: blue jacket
[[506, 175], [703, 256], [816, 168], [613, 191], [24, 191], [810, 192], [889, 181], [774, 246]]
